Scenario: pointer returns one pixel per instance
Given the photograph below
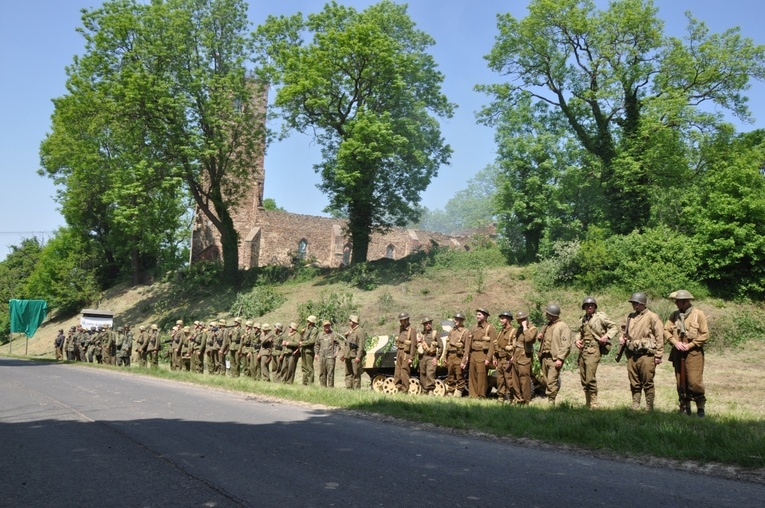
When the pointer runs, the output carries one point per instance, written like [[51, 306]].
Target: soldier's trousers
[[504, 378], [521, 379], [185, 363], [289, 367], [254, 366], [235, 362], [588, 368], [478, 378], [353, 372], [198, 362], [455, 378], [212, 362], [153, 357], [142, 355], [641, 370], [694, 372], [265, 367], [401, 372], [306, 364], [327, 372], [551, 377], [427, 373]]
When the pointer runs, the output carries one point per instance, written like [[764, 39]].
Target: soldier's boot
[[588, 399], [593, 400], [636, 401], [551, 400], [700, 410], [507, 399], [649, 402]]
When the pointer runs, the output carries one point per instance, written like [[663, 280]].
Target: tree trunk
[[229, 240], [360, 229]]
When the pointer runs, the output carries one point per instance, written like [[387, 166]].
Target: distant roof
[[97, 312]]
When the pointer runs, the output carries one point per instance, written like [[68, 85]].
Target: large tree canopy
[[369, 92], [161, 96], [629, 94]]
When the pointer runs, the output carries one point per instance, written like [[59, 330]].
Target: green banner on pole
[[27, 315]]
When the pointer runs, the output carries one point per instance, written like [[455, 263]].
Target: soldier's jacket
[[480, 344], [246, 346], [310, 337], [524, 344], [504, 345], [353, 347], [277, 349], [267, 344], [235, 338], [405, 342], [127, 343], [696, 329], [176, 340], [455, 343], [645, 334], [556, 340], [257, 338], [430, 345], [186, 344], [326, 345], [69, 342], [141, 342], [152, 342], [197, 342], [592, 329], [292, 339]]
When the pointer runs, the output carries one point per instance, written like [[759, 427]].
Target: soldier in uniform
[[70, 344], [224, 339], [129, 339], [353, 353], [523, 358], [406, 346], [264, 355], [277, 353], [199, 342], [429, 349], [140, 346], [326, 344], [92, 345], [124, 345], [291, 344], [184, 351], [556, 346], [176, 338], [108, 346], [257, 337], [235, 343], [308, 349], [153, 346], [687, 331], [643, 335], [58, 344], [479, 351], [596, 331], [504, 348], [455, 350], [212, 348], [245, 350]]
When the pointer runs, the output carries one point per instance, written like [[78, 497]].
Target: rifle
[[627, 338], [682, 386]]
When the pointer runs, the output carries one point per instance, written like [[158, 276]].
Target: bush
[[736, 328], [257, 302], [331, 306], [198, 279]]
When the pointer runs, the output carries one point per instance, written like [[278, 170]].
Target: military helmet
[[186, 329], [553, 310], [507, 314], [403, 315], [426, 319], [266, 327], [520, 315], [153, 327], [248, 323], [354, 318], [638, 298], [179, 322], [278, 326], [256, 325], [237, 319], [673, 295], [483, 311], [589, 300], [326, 322], [221, 322], [142, 328], [294, 325], [682, 294], [311, 319], [459, 315]]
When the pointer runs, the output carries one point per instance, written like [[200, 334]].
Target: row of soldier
[[510, 350], [96, 344]]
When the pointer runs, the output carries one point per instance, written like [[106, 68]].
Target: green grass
[[727, 440]]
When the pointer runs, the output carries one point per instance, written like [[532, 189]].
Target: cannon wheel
[[415, 388], [389, 386], [440, 389], [377, 383]]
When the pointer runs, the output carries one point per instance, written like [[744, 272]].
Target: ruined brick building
[[268, 237]]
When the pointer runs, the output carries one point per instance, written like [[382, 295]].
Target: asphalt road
[[72, 436]]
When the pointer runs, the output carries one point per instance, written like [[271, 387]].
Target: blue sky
[[39, 40]]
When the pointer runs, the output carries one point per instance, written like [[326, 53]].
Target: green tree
[[15, 269], [171, 75], [628, 93], [369, 92]]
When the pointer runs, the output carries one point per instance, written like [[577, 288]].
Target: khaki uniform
[[645, 344], [429, 349], [326, 345], [197, 346], [176, 341], [556, 345], [254, 361], [140, 347], [591, 329], [184, 352], [406, 349], [277, 356], [480, 349], [353, 356], [696, 334], [265, 356], [290, 356], [234, 345], [69, 346], [522, 363], [108, 347], [504, 347], [455, 351], [153, 345], [245, 351], [212, 350], [308, 353]]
